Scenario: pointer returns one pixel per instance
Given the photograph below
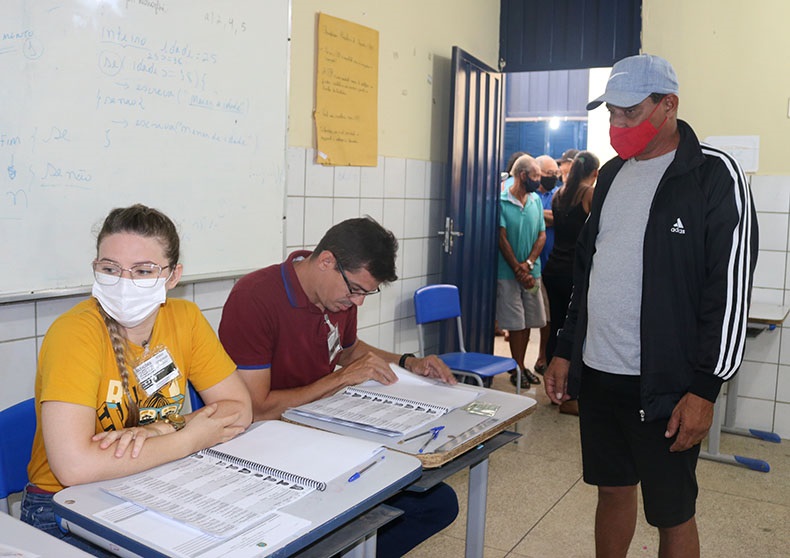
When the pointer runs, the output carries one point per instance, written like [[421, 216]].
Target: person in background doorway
[[570, 206], [288, 326], [522, 234], [507, 183], [95, 420], [549, 174], [565, 162], [657, 320]]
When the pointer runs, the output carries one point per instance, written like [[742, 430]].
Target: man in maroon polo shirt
[[288, 326]]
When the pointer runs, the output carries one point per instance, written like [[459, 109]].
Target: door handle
[[449, 235]]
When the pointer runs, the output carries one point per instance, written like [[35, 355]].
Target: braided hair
[[150, 223]]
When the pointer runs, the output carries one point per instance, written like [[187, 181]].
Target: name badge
[[156, 372], [332, 339]]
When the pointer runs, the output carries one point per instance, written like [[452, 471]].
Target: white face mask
[[129, 304]]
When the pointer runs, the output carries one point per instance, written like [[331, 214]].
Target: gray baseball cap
[[633, 79]]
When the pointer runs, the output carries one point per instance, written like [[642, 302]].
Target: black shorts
[[618, 449]]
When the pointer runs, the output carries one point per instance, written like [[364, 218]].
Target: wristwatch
[[175, 420], [403, 357], [530, 263]]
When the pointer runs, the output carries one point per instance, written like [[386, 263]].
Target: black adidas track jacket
[[696, 282]]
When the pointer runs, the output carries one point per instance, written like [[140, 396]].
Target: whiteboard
[[176, 104]]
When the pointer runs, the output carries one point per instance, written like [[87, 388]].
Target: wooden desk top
[[511, 408], [772, 314]]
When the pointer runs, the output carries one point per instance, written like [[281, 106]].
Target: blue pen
[[433, 430], [358, 474], [434, 434]]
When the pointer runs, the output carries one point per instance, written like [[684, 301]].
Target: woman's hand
[[134, 437], [210, 427]]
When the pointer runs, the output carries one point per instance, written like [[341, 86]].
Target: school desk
[[343, 503], [469, 451], [16, 535], [762, 317]]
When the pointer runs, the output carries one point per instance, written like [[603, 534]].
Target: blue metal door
[[472, 192]]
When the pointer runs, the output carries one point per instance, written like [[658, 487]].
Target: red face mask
[[629, 142]]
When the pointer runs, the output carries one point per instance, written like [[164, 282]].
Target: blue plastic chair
[[194, 397], [18, 426], [434, 303]]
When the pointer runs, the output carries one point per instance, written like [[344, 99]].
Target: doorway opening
[[545, 113]]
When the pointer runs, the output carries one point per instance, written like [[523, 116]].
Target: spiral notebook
[[392, 410], [235, 485]]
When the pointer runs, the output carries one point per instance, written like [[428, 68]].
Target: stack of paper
[[393, 410]]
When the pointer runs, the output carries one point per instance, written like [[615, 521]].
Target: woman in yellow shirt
[[112, 372]]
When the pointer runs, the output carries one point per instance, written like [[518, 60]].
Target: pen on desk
[[431, 439], [435, 431], [358, 474]]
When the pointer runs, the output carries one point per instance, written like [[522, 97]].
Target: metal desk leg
[[355, 539], [370, 546], [365, 548], [476, 510], [714, 439], [357, 551]]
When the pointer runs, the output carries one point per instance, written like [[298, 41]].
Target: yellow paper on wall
[[346, 114]]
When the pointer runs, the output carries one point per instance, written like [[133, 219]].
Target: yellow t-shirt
[[77, 365]]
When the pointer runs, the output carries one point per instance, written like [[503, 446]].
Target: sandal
[[524, 379], [540, 368], [533, 379]]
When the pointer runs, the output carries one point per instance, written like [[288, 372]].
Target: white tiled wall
[[404, 195], [23, 325], [764, 385]]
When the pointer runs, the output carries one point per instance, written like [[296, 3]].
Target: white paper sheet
[[183, 541], [746, 149], [392, 410], [419, 388], [223, 492]]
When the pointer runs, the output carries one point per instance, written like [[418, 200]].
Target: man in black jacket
[[657, 321]]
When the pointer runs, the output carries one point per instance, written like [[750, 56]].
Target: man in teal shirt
[[522, 234]]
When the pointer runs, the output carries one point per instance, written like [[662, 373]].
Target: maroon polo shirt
[[268, 322]]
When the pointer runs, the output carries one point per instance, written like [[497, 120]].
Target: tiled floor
[[539, 507]]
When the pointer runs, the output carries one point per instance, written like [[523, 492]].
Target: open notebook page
[[221, 494], [421, 389]]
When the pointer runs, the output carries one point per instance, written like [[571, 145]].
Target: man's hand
[[368, 367], [555, 380], [431, 366], [691, 419], [524, 276]]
